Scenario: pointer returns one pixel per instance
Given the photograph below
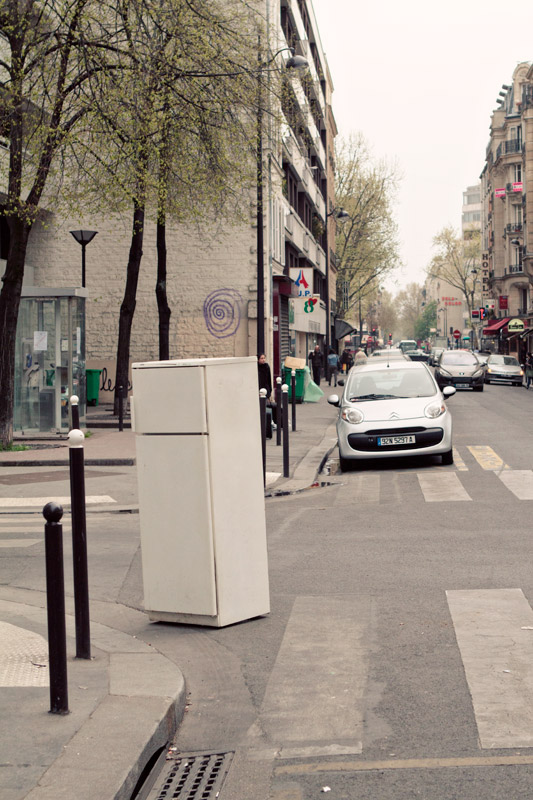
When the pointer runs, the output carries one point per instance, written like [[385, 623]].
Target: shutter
[[284, 336]]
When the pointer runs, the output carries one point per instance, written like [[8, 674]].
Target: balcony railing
[[514, 268], [510, 146]]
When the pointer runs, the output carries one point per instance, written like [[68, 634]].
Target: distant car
[[390, 411], [408, 344], [504, 369], [417, 355], [390, 353], [460, 368], [434, 355]]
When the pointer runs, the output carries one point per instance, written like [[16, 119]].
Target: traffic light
[[390, 337], [482, 313]]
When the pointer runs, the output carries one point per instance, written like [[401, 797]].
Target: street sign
[[475, 313], [456, 334]]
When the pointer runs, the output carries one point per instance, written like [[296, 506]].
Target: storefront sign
[[517, 187], [515, 326], [503, 302], [499, 193], [303, 281]]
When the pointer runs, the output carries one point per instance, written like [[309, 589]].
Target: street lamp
[[294, 62], [83, 238], [340, 215]]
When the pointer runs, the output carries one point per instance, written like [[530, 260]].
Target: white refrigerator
[[201, 495]]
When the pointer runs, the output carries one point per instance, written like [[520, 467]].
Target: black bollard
[[293, 399], [121, 408], [262, 412], [285, 415], [279, 415], [74, 412], [55, 606], [79, 544]]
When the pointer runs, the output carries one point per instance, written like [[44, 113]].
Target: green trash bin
[[299, 384], [93, 386]]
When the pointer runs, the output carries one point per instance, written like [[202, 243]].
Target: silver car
[[391, 410], [504, 369]]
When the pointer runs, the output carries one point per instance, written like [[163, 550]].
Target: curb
[[58, 462]]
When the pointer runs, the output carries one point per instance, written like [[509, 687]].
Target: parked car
[[460, 368], [392, 410], [417, 355], [504, 369], [408, 344]]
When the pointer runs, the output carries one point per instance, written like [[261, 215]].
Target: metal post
[[279, 415], [262, 411], [293, 392], [121, 408], [74, 412], [285, 415], [79, 544], [55, 605], [83, 245]]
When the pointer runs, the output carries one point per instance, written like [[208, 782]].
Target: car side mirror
[[449, 391], [334, 400]]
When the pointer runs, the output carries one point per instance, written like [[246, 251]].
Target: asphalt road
[[397, 658]]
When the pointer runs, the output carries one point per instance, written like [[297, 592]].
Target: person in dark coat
[[264, 374], [315, 360]]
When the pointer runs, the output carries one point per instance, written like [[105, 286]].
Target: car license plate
[[462, 385], [383, 441]]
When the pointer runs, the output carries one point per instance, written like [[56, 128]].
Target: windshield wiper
[[372, 397]]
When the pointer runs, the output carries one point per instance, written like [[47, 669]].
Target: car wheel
[[479, 388], [345, 463], [447, 457]]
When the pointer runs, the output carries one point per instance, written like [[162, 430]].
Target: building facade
[[507, 239], [212, 266]]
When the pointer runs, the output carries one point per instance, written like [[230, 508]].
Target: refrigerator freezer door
[[169, 400], [176, 526]]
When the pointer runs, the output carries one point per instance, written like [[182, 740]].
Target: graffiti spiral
[[222, 312]]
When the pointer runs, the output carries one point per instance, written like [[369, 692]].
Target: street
[[396, 660]]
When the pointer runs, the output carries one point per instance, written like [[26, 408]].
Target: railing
[[514, 268], [510, 146]]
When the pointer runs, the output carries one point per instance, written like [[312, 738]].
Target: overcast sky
[[420, 81]]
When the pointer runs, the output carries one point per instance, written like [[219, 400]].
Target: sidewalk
[[127, 702]]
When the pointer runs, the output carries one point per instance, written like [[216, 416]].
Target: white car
[[391, 410]]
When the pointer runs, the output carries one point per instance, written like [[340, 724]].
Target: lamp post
[[294, 62], [340, 215], [472, 297], [83, 238]]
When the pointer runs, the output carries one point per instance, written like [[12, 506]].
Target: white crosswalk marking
[[494, 630], [442, 487], [36, 502], [313, 703], [519, 482]]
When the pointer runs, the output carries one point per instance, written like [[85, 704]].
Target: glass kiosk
[[50, 359]]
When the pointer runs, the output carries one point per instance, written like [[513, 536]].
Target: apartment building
[[507, 242], [213, 287]]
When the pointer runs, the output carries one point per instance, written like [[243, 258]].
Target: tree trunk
[[161, 291], [127, 309], [9, 307]]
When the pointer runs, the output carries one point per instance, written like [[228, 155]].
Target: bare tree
[[455, 260]]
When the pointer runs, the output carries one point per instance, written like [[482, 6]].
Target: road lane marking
[[519, 482], [442, 487], [487, 458], [458, 461], [497, 656], [35, 502], [403, 763], [314, 700]]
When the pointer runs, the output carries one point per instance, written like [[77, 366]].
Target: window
[[518, 173]]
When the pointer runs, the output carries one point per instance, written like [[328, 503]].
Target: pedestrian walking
[[315, 360], [333, 366], [265, 382], [346, 360], [529, 369]]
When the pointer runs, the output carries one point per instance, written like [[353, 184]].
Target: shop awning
[[495, 325], [343, 328]]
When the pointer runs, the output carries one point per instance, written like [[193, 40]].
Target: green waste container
[[299, 382], [93, 386]]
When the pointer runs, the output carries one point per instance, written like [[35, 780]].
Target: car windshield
[[458, 357], [389, 383], [509, 361]]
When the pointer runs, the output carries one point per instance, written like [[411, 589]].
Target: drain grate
[[197, 776]]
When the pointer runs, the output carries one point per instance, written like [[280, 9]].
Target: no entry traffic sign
[[456, 334]]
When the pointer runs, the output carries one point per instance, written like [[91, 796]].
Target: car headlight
[[445, 372], [521, 372], [489, 369], [478, 372], [434, 410], [352, 415]]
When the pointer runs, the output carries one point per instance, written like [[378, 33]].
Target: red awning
[[495, 325]]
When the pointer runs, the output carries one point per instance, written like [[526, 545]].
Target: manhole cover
[[196, 776]]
